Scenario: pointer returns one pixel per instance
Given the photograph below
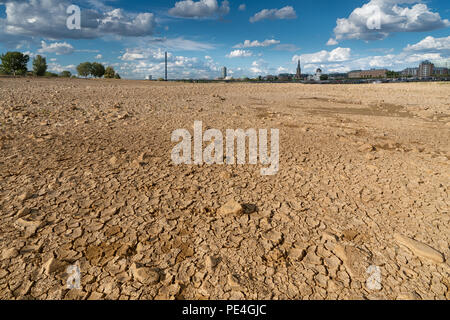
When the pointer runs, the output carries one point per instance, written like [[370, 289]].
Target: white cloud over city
[[256, 43], [200, 9], [344, 60], [48, 19], [393, 16], [239, 54], [287, 12], [202, 36]]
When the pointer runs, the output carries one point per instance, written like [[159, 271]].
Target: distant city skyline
[[250, 38]]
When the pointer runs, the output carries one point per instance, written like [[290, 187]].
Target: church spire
[[299, 71]]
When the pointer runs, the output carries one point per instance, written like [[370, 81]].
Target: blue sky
[[251, 38]]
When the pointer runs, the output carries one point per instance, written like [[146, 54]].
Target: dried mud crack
[[86, 178]]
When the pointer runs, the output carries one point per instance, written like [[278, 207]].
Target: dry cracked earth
[[86, 179]]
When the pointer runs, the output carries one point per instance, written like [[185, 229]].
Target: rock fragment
[[211, 262], [52, 266], [233, 282], [9, 253], [144, 275], [232, 207], [113, 160], [296, 253], [366, 148], [30, 227], [420, 249], [273, 235], [24, 196]]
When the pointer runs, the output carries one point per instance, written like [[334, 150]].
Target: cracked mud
[[86, 177]]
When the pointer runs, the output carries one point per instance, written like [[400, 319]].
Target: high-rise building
[[426, 69], [224, 72], [298, 75]]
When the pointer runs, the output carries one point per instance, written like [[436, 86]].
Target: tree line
[[97, 70], [15, 63]]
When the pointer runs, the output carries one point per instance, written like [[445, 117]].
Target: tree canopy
[[39, 65], [97, 70], [14, 63], [65, 74], [84, 69], [110, 73]]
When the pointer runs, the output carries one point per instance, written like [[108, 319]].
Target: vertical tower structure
[[165, 58], [298, 75]]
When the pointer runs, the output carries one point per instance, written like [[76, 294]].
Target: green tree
[[117, 76], [39, 65], [84, 69], [14, 63], [392, 74], [97, 70], [50, 74], [110, 73], [65, 74], [324, 77]]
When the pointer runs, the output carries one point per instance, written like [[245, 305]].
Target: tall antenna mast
[[165, 56]]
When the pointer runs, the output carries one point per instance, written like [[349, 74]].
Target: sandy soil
[[86, 178]]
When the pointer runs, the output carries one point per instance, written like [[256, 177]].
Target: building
[[298, 75], [285, 77], [149, 77], [439, 71], [337, 76], [318, 74], [368, 74], [410, 72], [426, 69], [224, 72], [269, 78]]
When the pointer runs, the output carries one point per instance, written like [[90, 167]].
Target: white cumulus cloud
[[332, 42], [324, 56], [58, 48], [256, 43], [239, 53], [431, 44], [48, 19], [287, 12], [199, 9], [377, 19]]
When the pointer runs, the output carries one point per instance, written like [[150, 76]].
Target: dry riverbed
[[87, 179]]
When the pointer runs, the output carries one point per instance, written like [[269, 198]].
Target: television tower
[[165, 75]]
